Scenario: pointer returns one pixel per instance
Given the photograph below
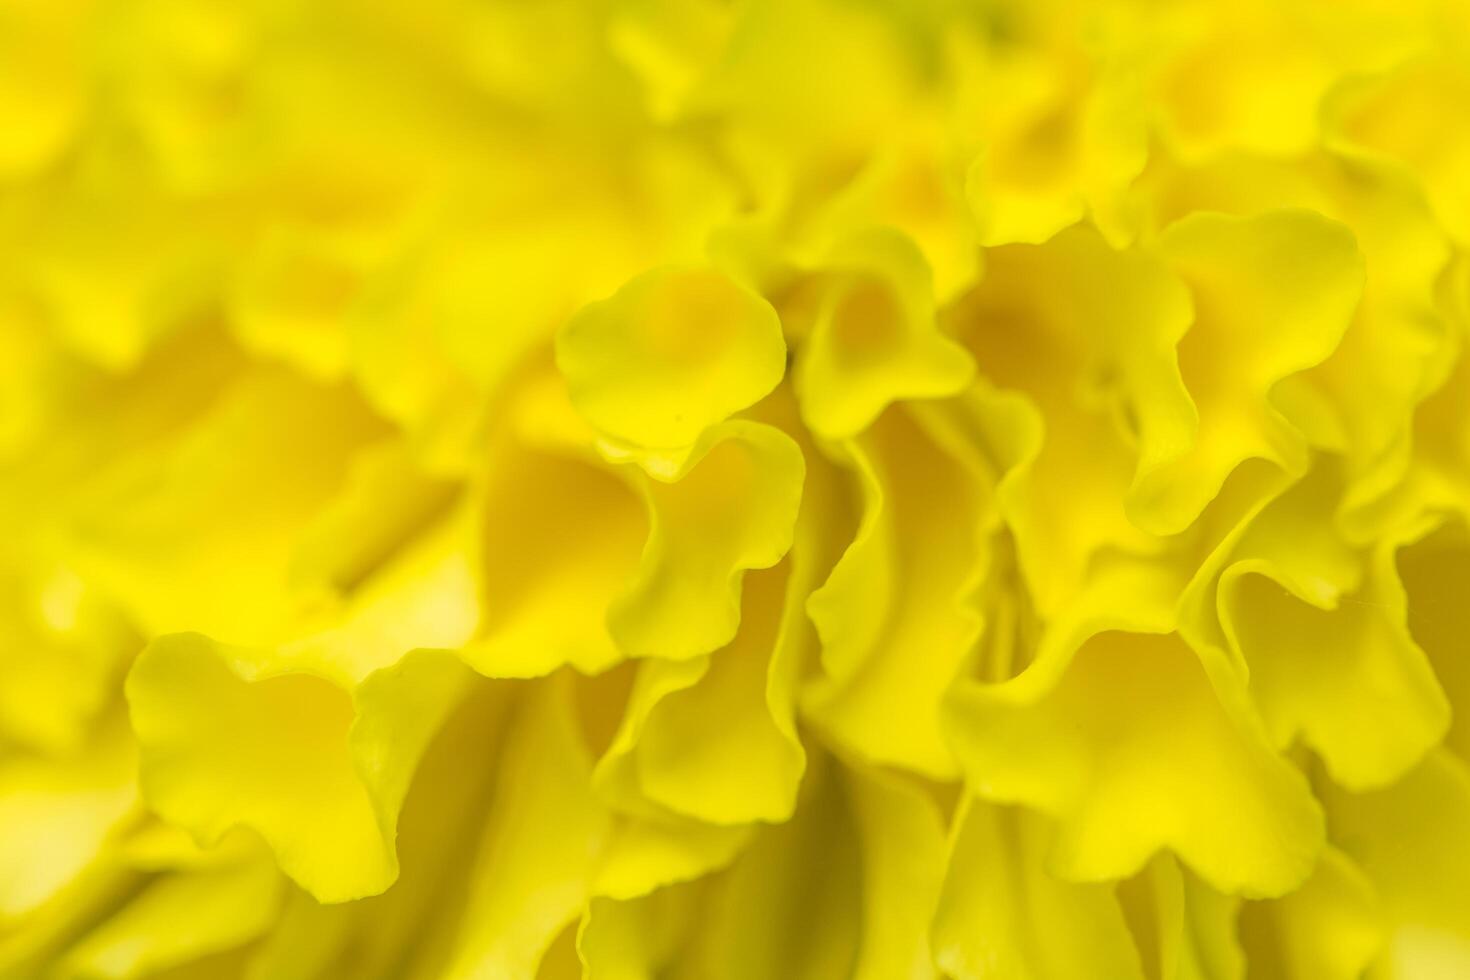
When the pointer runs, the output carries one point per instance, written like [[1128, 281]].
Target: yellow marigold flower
[[734, 490]]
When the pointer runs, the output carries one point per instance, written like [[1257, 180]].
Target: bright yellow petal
[[1273, 295], [905, 584], [729, 505], [320, 772], [875, 340], [671, 353], [1131, 746], [536, 847], [1088, 335]]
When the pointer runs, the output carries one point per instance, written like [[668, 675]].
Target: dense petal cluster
[[735, 489]]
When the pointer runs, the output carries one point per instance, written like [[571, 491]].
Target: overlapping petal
[[778, 489]]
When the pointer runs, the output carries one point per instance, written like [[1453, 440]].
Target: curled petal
[[639, 939], [561, 540], [875, 339], [1085, 337], [1273, 295], [713, 750], [729, 505], [1347, 676], [1320, 629], [321, 773], [1132, 747], [1410, 115], [904, 584], [535, 853], [669, 354]]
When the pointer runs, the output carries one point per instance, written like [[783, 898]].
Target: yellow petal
[[303, 940], [875, 340], [640, 939], [646, 853], [1250, 80], [1065, 142], [290, 299], [1088, 334], [912, 185], [1365, 392], [386, 498], [792, 905], [669, 354], [1330, 927], [535, 855], [561, 540], [728, 506], [1185, 930], [1131, 746], [117, 262], [180, 918], [42, 87], [57, 816], [1000, 906], [149, 534], [903, 585], [1320, 629], [406, 929], [669, 45], [714, 751], [320, 772], [900, 834], [61, 649], [1347, 677], [1409, 842], [1273, 295], [1409, 115], [1434, 567]]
